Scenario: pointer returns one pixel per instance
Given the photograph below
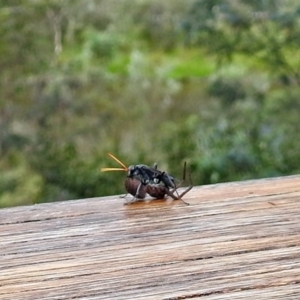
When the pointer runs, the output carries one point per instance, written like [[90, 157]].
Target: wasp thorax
[[156, 180], [140, 172]]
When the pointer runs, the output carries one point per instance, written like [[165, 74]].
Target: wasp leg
[[174, 197], [137, 195], [188, 188], [179, 184], [138, 190], [185, 192], [179, 197]]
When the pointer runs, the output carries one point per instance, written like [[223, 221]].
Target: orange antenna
[[115, 169], [117, 160], [112, 169]]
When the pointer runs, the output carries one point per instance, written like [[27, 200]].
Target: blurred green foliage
[[211, 82]]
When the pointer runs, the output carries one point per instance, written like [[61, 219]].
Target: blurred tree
[[268, 30], [262, 35], [214, 83]]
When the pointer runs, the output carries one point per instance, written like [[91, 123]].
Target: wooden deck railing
[[235, 241]]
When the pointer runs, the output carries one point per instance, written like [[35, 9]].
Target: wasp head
[[132, 171]]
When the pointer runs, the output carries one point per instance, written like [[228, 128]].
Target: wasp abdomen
[[132, 185], [156, 191]]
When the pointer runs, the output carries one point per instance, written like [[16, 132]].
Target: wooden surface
[[235, 241]]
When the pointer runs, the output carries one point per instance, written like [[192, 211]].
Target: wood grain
[[235, 241]]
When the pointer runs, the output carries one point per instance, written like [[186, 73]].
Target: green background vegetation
[[211, 82]]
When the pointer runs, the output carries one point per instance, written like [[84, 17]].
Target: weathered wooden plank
[[235, 241]]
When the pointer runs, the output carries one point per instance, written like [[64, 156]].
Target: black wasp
[[142, 180]]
